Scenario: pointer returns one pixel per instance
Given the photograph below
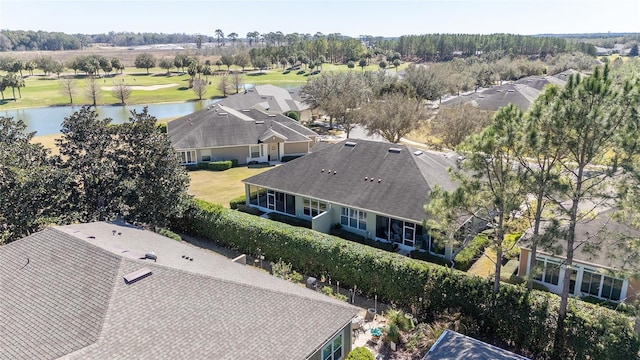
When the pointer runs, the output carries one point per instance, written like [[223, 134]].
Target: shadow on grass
[[5, 101], [300, 72], [183, 88], [257, 74]]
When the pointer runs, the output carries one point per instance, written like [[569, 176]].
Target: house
[[598, 261], [455, 346], [374, 189], [109, 290], [219, 133], [270, 99], [521, 93]]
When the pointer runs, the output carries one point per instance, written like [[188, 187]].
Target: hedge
[[216, 165], [233, 203], [293, 221], [467, 256], [348, 235], [288, 158], [514, 318]]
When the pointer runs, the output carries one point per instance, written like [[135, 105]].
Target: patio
[[363, 336]]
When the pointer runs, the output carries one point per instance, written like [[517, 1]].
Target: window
[[314, 207], [333, 350], [547, 271], [255, 151], [187, 157], [601, 286], [356, 219]]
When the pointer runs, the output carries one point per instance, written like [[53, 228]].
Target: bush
[[249, 209], [426, 256], [293, 221], [216, 165], [168, 233], [514, 316], [509, 244], [360, 353], [467, 256], [288, 158], [162, 127], [240, 200], [294, 115], [348, 235]]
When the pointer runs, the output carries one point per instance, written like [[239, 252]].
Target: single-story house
[[109, 290], [270, 99], [598, 260], [219, 133], [452, 345], [374, 189]]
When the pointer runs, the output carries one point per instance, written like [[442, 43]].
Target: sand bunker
[[143, 88]]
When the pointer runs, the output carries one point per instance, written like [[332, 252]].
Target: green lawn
[[43, 91], [219, 187]]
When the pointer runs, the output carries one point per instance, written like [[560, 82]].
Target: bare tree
[[236, 79], [67, 88], [452, 125], [121, 92], [392, 116], [199, 87], [92, 91], [224, 86]]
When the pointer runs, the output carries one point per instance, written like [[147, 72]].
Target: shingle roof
[[222, 126], [405, 179], [208, 307], [522, 93], [269, 98], [455, 346]]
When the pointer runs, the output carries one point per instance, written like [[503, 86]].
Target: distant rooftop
[[455, 346]]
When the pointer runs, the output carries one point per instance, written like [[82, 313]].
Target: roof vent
[[272, 115], [418, 153], [394, 150], [151, 256], [222, 114], [322, 170], [366, 178], [510, 90], [137, 275], [258, 122], [246, 110], [350, 143], [379, 181], [263, 97]]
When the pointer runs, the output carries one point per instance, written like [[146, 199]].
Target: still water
[[45, 121], [48, 120]]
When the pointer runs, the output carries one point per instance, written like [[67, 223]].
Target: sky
[[348, 17]]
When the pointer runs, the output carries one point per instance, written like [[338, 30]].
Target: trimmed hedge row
[[515, 318], [216, 165], [348, 235], [240, 200], [467, 256]]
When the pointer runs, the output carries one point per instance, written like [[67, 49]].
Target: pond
[[48, 120]]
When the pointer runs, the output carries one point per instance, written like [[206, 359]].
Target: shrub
[[509, 244], [348, 235], [426, 256], [393, 333], [281, 269], [467, 256], [294, 115], [293, 221], [216, 165], [296, 277], [240, 200], [168, 233], [327, 290], [288, 158], [162, 127], [249, 209], [515, 316], [360, 353]]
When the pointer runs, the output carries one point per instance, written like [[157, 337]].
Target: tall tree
[[590, 118], [490, 185], [242, 60], [68, 88], [34, 190], [233, 36], [452, 125], [166, 64], [145, 61], [224, 86], [236, 79], [227, 60], [219, 36]]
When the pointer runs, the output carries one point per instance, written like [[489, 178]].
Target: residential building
[[270, 99], [219, 133], [113, 291], [374, 189], [599, 260], [455, 346]]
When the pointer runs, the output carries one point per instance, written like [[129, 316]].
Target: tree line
[[103, 171]]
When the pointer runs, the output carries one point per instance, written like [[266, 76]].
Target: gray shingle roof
[[406, 179], [522, 93], [269, 98], [455, 346], [221, 126], [205, 308]]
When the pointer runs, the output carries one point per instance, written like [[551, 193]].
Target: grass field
[[219, 187], [42, 91]]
